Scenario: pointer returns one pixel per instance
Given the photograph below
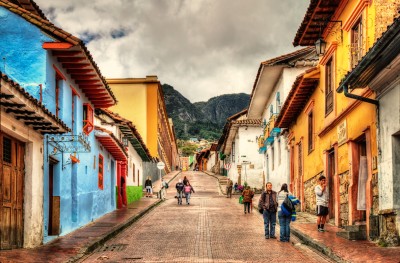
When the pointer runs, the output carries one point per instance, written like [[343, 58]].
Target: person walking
[[164, 186], [268, 203], [229, 187], [322, 196], [185, 180], [188, 190], [235, 187], [149, 187], [284, 215], [247, 197], [179, 191]]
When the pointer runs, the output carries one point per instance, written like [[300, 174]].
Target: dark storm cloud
[[203, 48]]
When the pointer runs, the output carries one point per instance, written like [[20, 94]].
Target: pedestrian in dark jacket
[[247, 198], [149, 187], [179, 191], [268, 202]]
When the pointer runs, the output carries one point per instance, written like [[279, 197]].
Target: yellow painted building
[[141, 101], [333, 127]]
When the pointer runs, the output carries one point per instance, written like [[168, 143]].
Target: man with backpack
[[268, 204], [179, 189], [164, 186]]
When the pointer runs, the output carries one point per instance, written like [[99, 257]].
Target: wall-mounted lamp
[[320, 46]]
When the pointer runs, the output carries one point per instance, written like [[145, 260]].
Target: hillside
[[201, 119]]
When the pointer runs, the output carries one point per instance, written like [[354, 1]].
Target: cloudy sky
[[203, 48]]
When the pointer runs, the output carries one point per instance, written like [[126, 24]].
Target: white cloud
[[203, 48]]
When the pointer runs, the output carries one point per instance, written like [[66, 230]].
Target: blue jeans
[[284, 223], [179, 195], [269, 223], [187, 198]]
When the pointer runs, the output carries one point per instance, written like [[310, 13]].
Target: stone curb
[[306, 240], [116, 230]]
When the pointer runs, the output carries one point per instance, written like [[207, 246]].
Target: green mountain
[[202, 120]]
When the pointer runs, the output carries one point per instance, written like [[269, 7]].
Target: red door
[[11, 195]]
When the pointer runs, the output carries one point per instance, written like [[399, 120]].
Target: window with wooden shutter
[[101, 173], [356, 48], [300, 160], [328, 87], [310, 131], [87, 118]]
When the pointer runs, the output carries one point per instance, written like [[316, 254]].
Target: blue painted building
[[55, 68]]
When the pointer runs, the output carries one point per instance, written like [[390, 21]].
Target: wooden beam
[[66, 53], [28, 112], [79, 71], [82, 77], [71, 59], [43, 123], [56, 45], [75, 65], [24, 117], [88, 82], [12, 104], [91, 87], [6, 96]]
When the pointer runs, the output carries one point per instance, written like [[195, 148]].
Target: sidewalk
[[72, 247], [337, 248]]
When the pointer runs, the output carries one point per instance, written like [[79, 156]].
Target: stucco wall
[[389, 159], [33, 178]]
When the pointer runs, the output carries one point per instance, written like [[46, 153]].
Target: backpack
[[287, 206], [166, 185]]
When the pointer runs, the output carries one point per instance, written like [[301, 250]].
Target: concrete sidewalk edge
[[116, 230], [307, 240]]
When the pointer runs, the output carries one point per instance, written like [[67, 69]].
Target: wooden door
[[11, 195]]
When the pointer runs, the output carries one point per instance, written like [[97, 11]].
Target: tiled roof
[[76, 50], [127, 128], [302, 89], [248, 122], [304, 54], [111, 143], [315, 21], [54, 124], [378, 57], [30, 6]]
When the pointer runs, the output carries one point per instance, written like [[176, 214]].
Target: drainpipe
[[356, 97]]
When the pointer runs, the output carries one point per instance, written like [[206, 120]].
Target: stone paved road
[[211, 229]]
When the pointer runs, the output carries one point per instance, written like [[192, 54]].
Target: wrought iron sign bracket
[[60, 144]]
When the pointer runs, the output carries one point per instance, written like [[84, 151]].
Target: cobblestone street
[[211, 229]]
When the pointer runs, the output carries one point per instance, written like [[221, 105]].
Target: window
[[272, 158], [100, 174], [59, 78], [233, 152], [356, 48], [271, 109], [300, 160], [133, 172], [279, 152], [310, 131], [328, 87], [278, 102], [87, 119]]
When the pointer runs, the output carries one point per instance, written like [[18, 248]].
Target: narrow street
[[211, 229]]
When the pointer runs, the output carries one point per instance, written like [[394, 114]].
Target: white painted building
[[242, 161], [273, 83]]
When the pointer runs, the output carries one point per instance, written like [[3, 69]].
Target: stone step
[[354, 232]]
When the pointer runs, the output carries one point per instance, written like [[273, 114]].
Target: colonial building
[[271, 87], [149, 116], [333, 126], [139, 163], [239, 150], [74, 183]]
